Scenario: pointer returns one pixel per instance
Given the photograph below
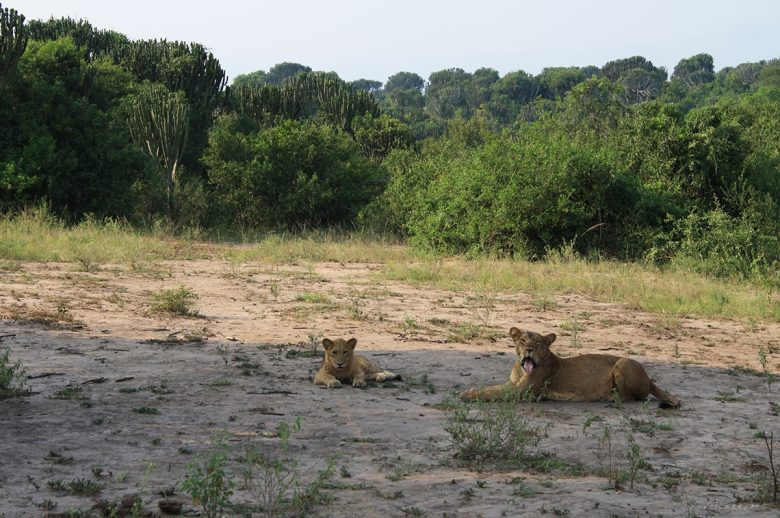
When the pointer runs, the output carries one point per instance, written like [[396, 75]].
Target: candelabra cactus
[[158, 120], [13, 39]]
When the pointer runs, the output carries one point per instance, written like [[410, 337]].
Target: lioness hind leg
[[630, 380], [667, 400]]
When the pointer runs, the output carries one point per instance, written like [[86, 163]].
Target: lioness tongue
[[528, 366]]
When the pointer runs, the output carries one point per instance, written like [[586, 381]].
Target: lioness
[[341, 364], [588, 377]]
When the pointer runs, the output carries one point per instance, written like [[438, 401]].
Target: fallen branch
[[44, 375]]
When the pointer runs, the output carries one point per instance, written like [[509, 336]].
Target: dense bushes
[[697, 188], [292, 175]]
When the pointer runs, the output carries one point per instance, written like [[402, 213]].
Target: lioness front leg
[[323, 378], [485, 394]]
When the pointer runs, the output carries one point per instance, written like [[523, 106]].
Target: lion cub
[[588, 377], [341, 364]]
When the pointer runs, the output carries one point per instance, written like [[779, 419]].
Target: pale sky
[[376, 39]]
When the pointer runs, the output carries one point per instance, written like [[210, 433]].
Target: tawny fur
[[341, 364], [588, 377]]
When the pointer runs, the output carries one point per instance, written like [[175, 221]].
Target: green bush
[[718, 244], [512, 196], [294, 175], [499, 433], [178, 301]]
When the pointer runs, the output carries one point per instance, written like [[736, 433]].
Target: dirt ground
[[244, 364]]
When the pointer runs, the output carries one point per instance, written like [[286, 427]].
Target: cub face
[[339, 352], [531, 348]]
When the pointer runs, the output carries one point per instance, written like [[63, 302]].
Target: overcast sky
[[374, 39]]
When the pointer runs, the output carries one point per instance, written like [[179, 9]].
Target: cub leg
[[323, 378], [384, 376], [359, 380]]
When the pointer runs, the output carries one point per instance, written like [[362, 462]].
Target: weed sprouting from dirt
[[77, 486], [608, 455], [763, 359], [274, 478], [772, 487]]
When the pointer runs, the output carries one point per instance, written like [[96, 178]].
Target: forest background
[[621, 161]]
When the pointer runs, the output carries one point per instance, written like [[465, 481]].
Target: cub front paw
[[359, 383], [333, 384]]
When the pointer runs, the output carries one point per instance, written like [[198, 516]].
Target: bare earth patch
[[126, 397]]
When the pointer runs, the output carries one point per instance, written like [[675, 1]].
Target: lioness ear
[[515, 333], [550, 338], [327, 343], [351, 343]]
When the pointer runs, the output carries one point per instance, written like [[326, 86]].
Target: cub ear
[[550, 338], [351, 343], [515, 333], [327, 343]]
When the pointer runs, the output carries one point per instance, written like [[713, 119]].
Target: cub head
[[339, 352], [531, 347]]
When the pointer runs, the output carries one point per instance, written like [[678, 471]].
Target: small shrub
[[207, 480], [178, 301], [497, 433], [274, 480], [12, 376]]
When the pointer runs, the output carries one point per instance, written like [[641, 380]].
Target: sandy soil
[[242, 366]]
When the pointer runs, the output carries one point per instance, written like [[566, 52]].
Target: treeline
[[622, 161]]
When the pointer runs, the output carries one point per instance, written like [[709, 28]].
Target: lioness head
[[339, 351], [531, 347]]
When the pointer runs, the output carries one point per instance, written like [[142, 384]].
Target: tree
[[642, 84], [94, 43], [158, 123], [511, 92], [404, 81], [449, 92], [612, 70], [403, 96], [695, 70], [555, 82], [256, 79], [13, 39], [770, 74], [186, 67], [281, 72], [593, 108], [368, 85]]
